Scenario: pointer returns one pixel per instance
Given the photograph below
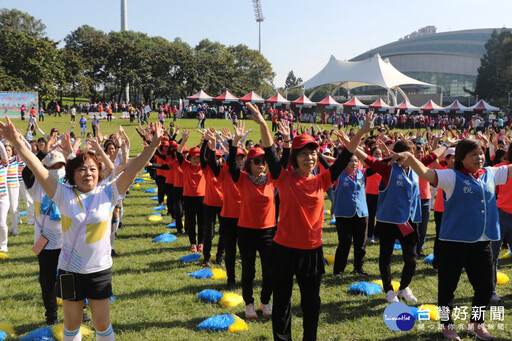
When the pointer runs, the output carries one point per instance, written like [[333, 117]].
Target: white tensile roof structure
[[373, 71]]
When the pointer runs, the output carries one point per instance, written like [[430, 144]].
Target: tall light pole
[[124, 27], [259, 17]]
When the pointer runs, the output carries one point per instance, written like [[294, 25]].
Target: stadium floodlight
[[259, 17]]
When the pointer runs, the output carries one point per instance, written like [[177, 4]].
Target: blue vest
[[400, 200], [350, 197], [471, 212]]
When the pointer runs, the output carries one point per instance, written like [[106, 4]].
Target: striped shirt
[[3, 179], [12, 172]]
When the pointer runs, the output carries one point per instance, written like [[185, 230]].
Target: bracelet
[[287, 141], [445, 145]]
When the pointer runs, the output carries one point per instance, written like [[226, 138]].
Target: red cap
[[218, 152], [194, 151], [240, 151], [174, 144], [185, 149], [301, 140], [165, 138], [164, 143], [255, 152]]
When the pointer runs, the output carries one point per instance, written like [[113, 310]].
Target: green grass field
[[156, 300]]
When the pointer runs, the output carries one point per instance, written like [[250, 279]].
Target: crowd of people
[[268, 197]]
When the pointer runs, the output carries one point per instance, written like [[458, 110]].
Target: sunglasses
[[257, 161]]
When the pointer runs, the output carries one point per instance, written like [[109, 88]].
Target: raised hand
[[239, 132], [158, 134], [185, 134], [65, 145], [284, 129], [210, 137], [9, 131], [368, 123], [342, 136], [227, 134], [256, 115], [399, 157]]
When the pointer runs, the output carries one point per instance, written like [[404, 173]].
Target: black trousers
[[194, 208], [371, 201], [422, 228], [48, 263], [177, 201], [349, 228], [228, 233], [307, 266], [210, 216], [477, 259], [168, 188], [250, 241], [160, 182], [438, 218], [388, 234]]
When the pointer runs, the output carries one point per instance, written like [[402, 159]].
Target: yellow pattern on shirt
[[94, 232], [65, 222]]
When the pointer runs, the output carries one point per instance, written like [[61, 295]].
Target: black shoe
[[206, 264], [220, 262], [113, 253], [120, 226], [360, 272], [421, 255], [85, 316]]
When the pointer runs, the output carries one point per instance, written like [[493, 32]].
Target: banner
[[11, 102]]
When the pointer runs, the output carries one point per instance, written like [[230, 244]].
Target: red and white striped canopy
[[431, 106], [380, 104], [252, 97], [328, 101], [484, 106], [226, 97], [200, 96], [456, 106], [303, 100], [406, 106], [354, 102], [277, 98]]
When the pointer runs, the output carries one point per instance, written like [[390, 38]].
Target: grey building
[[447, 59]]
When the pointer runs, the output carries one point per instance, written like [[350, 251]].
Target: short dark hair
[[78, 161], [463, 148], [404, 146], [295, 152], [41, 139]]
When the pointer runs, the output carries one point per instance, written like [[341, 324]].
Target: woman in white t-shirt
[[470, 222], [85, 261]]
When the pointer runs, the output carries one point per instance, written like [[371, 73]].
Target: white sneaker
[[407, 296], [250, 312], [266, 309], [391, 296]]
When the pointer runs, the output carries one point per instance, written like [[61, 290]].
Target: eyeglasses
[[257, 161]]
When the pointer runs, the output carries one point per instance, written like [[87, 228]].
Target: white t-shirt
[[91, 252], [446, 181], [52, 230]]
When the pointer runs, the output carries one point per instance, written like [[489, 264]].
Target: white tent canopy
[[350, 75]]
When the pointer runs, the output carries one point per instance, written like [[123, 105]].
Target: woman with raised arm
[[230, 212], [256, 225], [194, 187], [297, 246], [398, 216], [85, 263], [470, 222]]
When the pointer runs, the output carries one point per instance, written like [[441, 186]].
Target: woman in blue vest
[[470, 222], [351, 212], [398, 216]]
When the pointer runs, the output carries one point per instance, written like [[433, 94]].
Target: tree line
[[99, 65]]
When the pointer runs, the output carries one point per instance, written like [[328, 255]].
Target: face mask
[[58, 174]]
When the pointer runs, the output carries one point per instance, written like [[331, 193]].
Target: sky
[[298, 35]]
